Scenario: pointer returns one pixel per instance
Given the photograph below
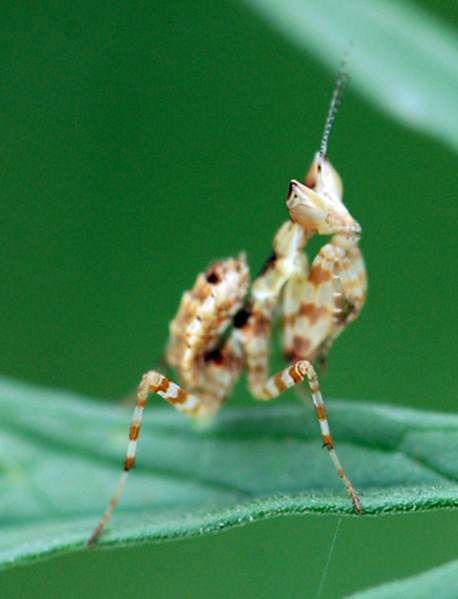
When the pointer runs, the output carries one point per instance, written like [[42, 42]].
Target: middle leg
[[199, 405], [293, 375], [254, 332]]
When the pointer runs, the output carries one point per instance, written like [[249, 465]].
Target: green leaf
[[440, 583], [61, 456], [403, 60]]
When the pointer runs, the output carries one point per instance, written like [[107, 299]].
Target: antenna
[[339, 88]]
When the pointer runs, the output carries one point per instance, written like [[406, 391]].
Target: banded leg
[[293, 375], [187, 403], [312, 296]]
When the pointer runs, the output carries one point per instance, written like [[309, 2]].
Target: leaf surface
[[403, 60], [61, 456]]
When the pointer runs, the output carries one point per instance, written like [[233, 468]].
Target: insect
[[223, 325]]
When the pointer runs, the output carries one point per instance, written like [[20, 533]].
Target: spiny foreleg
[[349, 295]]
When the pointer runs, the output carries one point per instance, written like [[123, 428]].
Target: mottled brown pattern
[[195, 330], [201, 291], [261, 325], [319, 275], [313, 312], [289, 320], [301, 347], [222, 325]]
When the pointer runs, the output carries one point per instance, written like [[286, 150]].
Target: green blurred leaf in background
[[404, 61]]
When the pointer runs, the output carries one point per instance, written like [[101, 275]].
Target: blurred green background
[[139, 142]]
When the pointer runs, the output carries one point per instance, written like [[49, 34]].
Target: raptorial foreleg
[[349, 295]]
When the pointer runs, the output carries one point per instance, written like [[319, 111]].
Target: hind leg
[[206, 366], [294, 375], [189, 404]]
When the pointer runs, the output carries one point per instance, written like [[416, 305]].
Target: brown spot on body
[[129, 463], [289, 320], [312, 312], [318, 275], [200, 293], [300, 350]]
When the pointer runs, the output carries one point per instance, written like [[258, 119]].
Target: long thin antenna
[[339, 88]]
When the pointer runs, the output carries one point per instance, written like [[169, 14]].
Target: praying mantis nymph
[[224, 323]]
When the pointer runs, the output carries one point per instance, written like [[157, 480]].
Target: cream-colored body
[[223, 326]]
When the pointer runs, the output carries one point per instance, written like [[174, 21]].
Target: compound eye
[[292, 189]]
